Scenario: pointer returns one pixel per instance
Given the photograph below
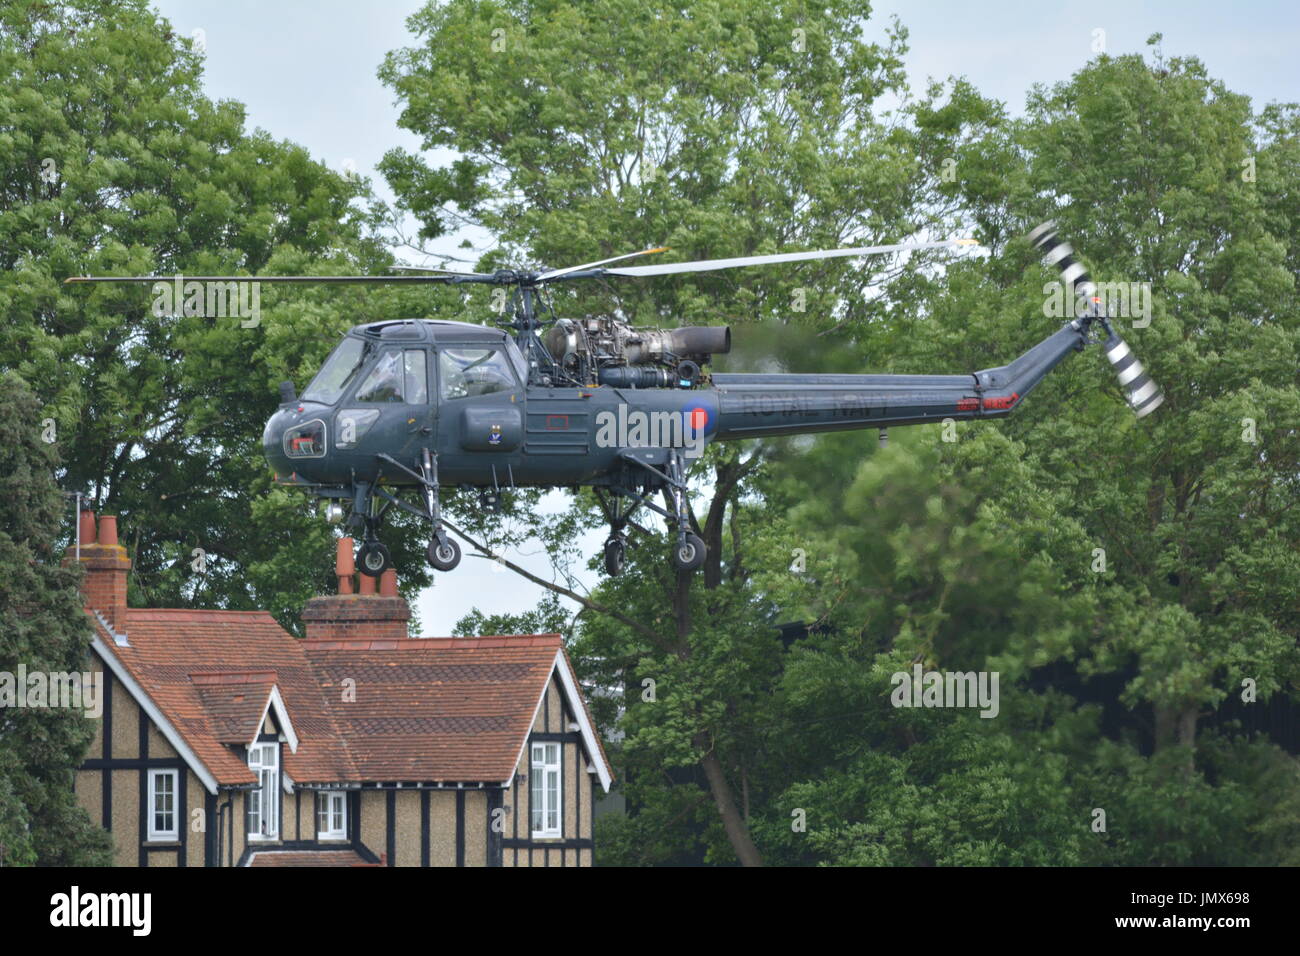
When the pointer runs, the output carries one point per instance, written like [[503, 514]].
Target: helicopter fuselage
[[466, 394]]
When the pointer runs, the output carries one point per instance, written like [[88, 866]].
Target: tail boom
[[759, 406]]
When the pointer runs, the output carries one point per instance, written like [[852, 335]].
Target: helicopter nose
[[273, 444]]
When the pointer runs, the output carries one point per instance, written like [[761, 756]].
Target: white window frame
[[154, 834], [268, 792], [329, 797], [546, 777]]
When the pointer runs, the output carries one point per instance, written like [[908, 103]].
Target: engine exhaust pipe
[[1140, 390], [701, 340]]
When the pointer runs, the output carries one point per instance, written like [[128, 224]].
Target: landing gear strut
[[373, 558], [443, 553], [640, 479], [688, 553], [616, 544]]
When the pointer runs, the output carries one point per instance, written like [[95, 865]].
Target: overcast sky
[[305, 70]]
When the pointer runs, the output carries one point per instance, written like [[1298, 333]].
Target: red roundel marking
[[699, 418]]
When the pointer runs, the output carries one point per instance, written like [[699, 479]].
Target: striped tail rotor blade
[[1057, 252], [1140, 390]]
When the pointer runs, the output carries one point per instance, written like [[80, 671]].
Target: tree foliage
[[42, 630]]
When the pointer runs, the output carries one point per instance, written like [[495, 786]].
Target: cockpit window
[[469, 371], [398, 376], [336, 373], [417, 378], [384, 383]]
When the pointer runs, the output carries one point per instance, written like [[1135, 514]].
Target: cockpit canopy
[[390, 361]]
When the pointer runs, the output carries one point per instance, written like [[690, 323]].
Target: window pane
[[334, 376], [552, 800], [467, 372], [384, 383], [417, 378], [535, 792]]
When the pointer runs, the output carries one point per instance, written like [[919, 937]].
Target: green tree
[[1119, 684], [44, 629], [112, 162]]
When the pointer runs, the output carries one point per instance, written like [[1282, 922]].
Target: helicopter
[[409, 406]]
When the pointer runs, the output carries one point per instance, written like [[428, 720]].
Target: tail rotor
[[1140, 390]]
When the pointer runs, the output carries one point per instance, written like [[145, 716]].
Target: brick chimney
[[106, 566], [362, 616]]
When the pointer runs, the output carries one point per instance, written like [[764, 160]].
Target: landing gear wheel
[[689, 554], [443, 555], [615, 552], [374, 559]]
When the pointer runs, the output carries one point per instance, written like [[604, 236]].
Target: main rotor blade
[[556, 273], [451, 277], [707, 265]]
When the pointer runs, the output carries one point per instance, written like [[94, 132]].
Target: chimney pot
[[87, 525], [108, 530], [388, 583], [367, 584], [344, 564]]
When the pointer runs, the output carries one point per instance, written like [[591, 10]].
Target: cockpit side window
[[334, 376], [384, 383], [398, 376], [466, 372], [417, 377]]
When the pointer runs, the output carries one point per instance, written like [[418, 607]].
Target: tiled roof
[[453, 710], [441, 709], [306, 858], [168, 646]]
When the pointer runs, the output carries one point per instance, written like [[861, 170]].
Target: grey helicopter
[[407, 407]]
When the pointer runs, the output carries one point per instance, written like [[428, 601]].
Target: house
[[226, 741]]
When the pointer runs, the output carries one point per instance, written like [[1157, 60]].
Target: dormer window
[[264, 802]]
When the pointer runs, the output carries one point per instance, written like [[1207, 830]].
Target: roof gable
[[238, 702], [168, 646]]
